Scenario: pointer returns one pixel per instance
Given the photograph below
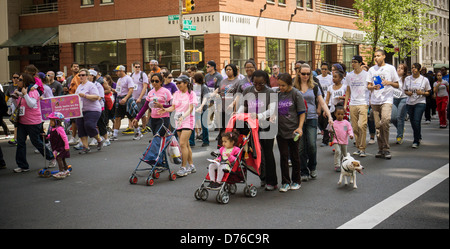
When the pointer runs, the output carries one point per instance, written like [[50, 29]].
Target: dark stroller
[[155, 156], [249, 158]]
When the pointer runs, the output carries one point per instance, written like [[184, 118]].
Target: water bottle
[[297, 136]]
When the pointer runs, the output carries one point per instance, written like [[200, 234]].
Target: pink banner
[[68, 105]]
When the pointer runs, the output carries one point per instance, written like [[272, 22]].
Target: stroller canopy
[[253, 162]]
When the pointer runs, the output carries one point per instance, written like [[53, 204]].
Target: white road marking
[[378, 213]]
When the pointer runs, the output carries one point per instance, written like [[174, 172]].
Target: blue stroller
[[155, 156]]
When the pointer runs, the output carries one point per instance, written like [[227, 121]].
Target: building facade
[[435, 54], [111, 32]]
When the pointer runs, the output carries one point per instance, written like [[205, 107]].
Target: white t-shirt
[[359, 94], [325, 82], [413, 84], [123, 85], [385, 95], [399, 92], [335, 94]]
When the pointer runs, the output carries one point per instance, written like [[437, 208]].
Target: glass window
[[87, 2], [167, 51], [276, 53], [241, 50], [303, 51], [349, 52], [106, 55], [309, 4], [282, 1], [300, 3], [107, 1]]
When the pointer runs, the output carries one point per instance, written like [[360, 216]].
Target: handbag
[[14, 118]]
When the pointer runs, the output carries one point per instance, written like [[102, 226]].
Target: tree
[[411, 30], [389, 23]]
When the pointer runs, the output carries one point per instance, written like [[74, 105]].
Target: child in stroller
[[228, 155]]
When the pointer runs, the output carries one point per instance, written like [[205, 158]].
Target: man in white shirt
[[359, 103], [382, 79], [124, 90], [326, 80], [140, 80]]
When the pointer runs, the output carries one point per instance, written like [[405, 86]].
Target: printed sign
[[69, 105]]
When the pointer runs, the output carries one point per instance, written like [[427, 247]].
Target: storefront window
[[276, 53], [349, 52], [106, 55], [167, 51], [303, 51], [241, 50]]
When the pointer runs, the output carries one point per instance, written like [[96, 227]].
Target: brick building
[[111, 32]]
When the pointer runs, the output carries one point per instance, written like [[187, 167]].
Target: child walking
[[59, 144], [226, 159], [342, 130]]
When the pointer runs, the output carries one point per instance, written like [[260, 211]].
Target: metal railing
[[40, 8], [336, 10]]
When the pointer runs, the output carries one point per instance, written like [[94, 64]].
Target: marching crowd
[[338, 104]]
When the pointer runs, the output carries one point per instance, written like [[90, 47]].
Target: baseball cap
[[92, 72], [357, 58], [120, 68], [56, 115], [183, 78]]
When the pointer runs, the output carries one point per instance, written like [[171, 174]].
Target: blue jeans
[[415, 116], [398, 115], [33, 131], [205, 131], [308, 147]]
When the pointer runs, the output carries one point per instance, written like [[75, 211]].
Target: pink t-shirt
[[182, 101], [162, 96], [343, 130], [28, 115]]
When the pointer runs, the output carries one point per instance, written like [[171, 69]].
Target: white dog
[[348, 167]]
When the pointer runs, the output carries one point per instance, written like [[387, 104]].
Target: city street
[[409, 191]]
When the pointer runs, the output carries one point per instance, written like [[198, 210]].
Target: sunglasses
[[137, 66], [154, 81], [304, 74], [15, 78], [179, 82], [82, 75]]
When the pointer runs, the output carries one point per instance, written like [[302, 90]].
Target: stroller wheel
[[232, 188], [156, 174], [197, 194], [172, 176], [224, 197], [133, 179], [253, 191], [150, 181], [204, 194]]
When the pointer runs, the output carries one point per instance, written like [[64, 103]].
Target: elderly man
[[54, 84]]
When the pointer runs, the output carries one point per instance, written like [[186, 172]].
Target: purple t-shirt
[[90, 89], [123, 85], [172, 87]]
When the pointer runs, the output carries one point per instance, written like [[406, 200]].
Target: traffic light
[[193, 56], [190, 5]]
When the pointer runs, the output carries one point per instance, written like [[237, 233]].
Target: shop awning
[[326, 36], [31, 38]]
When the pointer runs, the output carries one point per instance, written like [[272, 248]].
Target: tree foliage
[[395, 23]]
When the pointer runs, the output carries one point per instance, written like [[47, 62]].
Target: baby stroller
[[155, 156], [248, 158]]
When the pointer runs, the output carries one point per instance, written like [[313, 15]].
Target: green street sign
[[173, 17], [190, 27], [187, 22]]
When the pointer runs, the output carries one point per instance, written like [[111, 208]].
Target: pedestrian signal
[[193, 56]]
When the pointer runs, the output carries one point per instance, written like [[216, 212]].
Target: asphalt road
[[99, 195]]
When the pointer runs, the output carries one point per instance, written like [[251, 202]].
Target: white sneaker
[[192, 169], [93, 142], [137, 136], [52, 163], [19, 170], [73, 141], [106, 143], [183, 171], [285, 187], [372, 141]]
